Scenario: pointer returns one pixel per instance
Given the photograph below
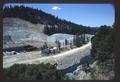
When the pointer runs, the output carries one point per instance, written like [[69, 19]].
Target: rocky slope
[[20, 32]]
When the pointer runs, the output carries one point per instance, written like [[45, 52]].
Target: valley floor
[[64, 59]]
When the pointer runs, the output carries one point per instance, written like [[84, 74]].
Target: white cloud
[[56, 8]]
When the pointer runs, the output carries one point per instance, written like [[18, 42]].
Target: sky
[[93, 15]]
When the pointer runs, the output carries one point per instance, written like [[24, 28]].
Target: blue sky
[[93, 15]]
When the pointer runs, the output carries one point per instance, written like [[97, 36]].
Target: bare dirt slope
[[20, 32]]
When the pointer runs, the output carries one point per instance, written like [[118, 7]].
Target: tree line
[[52, 24], [77, 41]]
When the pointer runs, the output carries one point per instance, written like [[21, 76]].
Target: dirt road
[[64, 60]]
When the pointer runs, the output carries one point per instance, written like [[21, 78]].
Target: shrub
[[31, 72]]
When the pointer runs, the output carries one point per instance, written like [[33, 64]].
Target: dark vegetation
[[79, 40], [21, 48], [32, 72], [102, 49], [52, 24]]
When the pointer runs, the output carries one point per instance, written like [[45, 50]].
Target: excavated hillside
[[18, 32]]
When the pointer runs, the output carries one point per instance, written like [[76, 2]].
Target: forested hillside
[[102, 51], [52, 24], [31, 72]]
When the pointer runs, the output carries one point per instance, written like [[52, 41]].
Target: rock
[[79, 74], [70, 75], [93, 65], [18, 32]]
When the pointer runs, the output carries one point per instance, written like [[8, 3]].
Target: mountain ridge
[[36, 16]]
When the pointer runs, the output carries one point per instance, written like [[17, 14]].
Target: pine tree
[[59, 45], [66, 42]]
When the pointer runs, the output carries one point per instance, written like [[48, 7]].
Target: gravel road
[[64, 59]]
